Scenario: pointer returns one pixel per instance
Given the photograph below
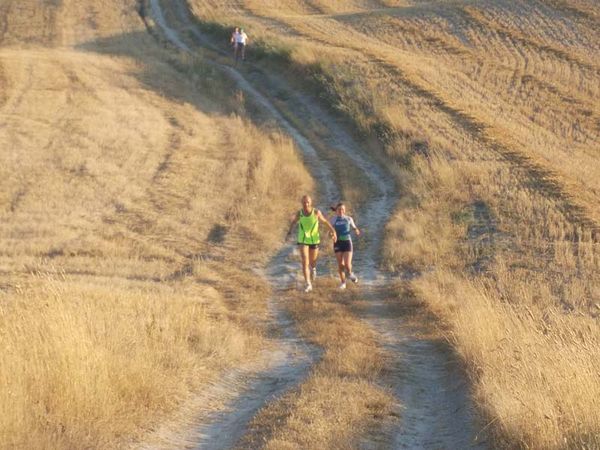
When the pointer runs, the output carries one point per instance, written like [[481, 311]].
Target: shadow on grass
[[174, 74]]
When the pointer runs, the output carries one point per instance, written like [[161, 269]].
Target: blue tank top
[[342, 227]]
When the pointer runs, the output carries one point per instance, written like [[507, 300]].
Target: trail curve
[[434, 397]]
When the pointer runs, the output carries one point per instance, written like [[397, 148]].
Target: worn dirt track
[[436, 411]]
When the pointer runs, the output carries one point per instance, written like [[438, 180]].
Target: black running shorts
[[342, 246], [311, 246]]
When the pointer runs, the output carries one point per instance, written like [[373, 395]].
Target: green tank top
[[308, 228]]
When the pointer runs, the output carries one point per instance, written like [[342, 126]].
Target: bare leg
[[347, 256], [313, 255], [305, 263], [341, 266]]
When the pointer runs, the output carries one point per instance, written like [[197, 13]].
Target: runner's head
[[340, 208], [306, 202]]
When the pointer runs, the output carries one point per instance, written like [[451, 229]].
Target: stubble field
[[130, 178], [127, 185], [488, 112]]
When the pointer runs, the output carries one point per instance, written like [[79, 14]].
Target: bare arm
[[355, 228], [322, 218], [293, 221]]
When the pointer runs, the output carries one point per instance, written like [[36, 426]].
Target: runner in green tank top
[[308, 240]]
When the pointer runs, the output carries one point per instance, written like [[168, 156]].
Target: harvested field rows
[[123, 193], [490, 112], [147, 298]]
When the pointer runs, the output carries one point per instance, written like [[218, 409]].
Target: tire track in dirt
[[29, 21], [543, 180], [18, 92], [564, 105], [421, 373], [563, 6], [539, 177], [289, 359], [479, 22], [4, 11], [3, 86], [470, 55], [437, 411]]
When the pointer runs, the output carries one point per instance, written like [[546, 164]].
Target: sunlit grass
[[489, 117], [130, 220]]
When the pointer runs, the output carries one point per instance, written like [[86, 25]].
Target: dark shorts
[[311, 246], [342, 246]]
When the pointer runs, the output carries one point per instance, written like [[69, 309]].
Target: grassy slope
[[490, 115], [126, 189]]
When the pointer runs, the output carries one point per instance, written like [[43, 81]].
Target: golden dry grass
[[89, 364], [341, 401], [489, 116], [128, 187]]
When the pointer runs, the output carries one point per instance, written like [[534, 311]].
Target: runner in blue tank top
[[343, 225]]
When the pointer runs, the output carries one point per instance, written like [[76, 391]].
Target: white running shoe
[[308, 288], [342, 285], [313, 273], [353, 278]]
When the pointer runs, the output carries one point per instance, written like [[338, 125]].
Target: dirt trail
[[433, 395], [288, 364]]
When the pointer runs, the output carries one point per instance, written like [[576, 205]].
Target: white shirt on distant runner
[[240, 38]]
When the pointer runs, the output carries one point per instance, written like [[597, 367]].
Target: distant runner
[[240, 40], [309, 239], [234, 39], [342, 247]]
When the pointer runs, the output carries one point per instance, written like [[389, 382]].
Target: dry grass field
[[134, 192], [489, 113], [128, 187], [341, 402]]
